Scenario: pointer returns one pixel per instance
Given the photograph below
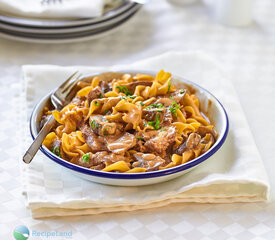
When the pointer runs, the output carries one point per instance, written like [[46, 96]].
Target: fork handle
[[27, 158]]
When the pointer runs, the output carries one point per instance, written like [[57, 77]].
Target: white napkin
[[234, 174], [62, 9]]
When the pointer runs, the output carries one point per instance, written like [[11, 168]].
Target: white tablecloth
[[247, 54]]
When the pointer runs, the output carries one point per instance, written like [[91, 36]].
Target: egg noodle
[[124, 123]]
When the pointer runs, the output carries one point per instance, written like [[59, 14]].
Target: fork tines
[[64, 85]]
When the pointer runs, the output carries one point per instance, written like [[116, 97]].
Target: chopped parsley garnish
[[182, 91], [96, 103], [141, 103], [105, 132], [159, 105], [124, 90], [169, 85], [86, 157], [140, 138], [94, 124], [56, 151], [101, 95], [173, 109], [106, 111], [155, 124], [123, 97]]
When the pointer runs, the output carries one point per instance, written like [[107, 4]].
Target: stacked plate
[[61, 31]]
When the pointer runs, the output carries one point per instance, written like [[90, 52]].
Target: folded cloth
[[234, 174], [56, 8]]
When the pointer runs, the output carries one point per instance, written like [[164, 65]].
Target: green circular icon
[[21, 233]]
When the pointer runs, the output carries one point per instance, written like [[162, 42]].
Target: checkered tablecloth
[[248, 56]]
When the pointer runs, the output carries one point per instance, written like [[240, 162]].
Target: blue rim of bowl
[[143, 175]]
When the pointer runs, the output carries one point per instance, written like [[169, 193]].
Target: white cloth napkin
[[57, 9], [234, 174]]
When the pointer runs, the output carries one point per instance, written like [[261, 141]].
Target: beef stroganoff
[[124, 123]]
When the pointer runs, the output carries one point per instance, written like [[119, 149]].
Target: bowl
[[208, 103]]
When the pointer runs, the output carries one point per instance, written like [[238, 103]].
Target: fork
[[61, 97]]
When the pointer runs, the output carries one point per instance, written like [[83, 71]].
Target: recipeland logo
[[21, 233]]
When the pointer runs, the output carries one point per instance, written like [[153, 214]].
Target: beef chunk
[[94, 93], [106, 87], [140, 146], [97, 159], [85, 163], [96, 143], [151, 114], [142, 137], [132, 86], [161, 141], [100, 160], [120, 144], [110, 158], [102, 127], [147, 135], [165, 116]]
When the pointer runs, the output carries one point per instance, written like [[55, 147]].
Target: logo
[[21, 233]]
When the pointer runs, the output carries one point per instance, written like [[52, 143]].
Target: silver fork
[[61, 97]]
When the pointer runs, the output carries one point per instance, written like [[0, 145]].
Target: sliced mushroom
[[149, 161], [202, 130], [191, 143]]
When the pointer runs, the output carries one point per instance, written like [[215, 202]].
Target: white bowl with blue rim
[[208, 103]]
